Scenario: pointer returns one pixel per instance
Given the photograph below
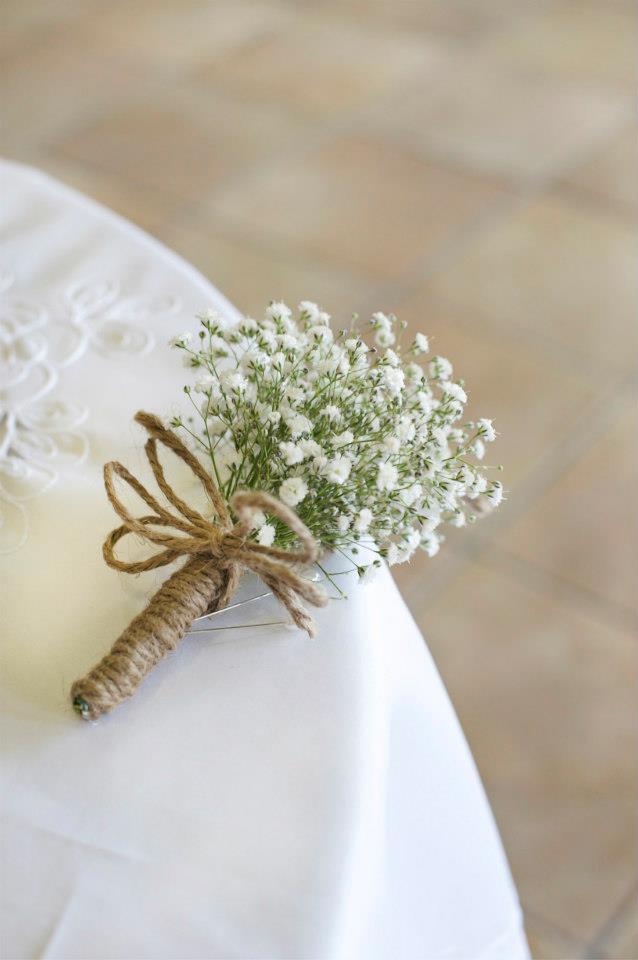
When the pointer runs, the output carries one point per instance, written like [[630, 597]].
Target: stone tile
[[610, 174], [25, 23], [251, 276], [176, 34], [622, 941], [319, 65], [469, 109], [360, 202], [178, 143], [548, 943], [547, 699], [463, 18], [532, 398], [590, 43], [423, 578], [56, 83], [563, 273], [583, 528], [146, 207]]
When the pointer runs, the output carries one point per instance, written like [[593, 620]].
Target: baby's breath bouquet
[[366, 443], [305, 442]]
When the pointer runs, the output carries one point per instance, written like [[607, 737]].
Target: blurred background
[[471, 166]]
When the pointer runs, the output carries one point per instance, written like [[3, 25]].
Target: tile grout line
[[612, 925], [607, 612], [602, 415]]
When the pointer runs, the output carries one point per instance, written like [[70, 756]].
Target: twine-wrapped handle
[[189, 593], [217, 552]]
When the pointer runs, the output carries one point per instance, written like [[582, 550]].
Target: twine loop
[[186, 532]]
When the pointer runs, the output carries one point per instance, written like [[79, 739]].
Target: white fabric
[[263, 795]]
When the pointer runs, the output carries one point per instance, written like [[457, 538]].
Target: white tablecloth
[[264, 795]]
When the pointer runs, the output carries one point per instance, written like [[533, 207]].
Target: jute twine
[[217, 553]]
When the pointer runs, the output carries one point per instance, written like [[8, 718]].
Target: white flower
[[391, 444], [405, 429], [266, 535], [421, 343], [291, 453], [380, 321], [298, 425], [425, 402], [478, 486], [258, 519], [414, 373], [363, 521], [393, 380], [486, 430], [384, 338], [278, 311], [288, 342], [273, 416], [455, 390], [494, 495], [411, 494], [344, 522], [392, 556], [233, 381], [391, 357], [320, 334], [478, 448], [458, 519], [182, 340], [310, 448], [292, 491], [431, 544], [387, 476], [331, 412], [369, 573], [343, 439], [204, 382], [309, 310], [338, 469], [440, 368], [247, 325], [351, 344]]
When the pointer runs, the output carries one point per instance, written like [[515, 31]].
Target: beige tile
[[534, 401], [548, 943], [320, 65], [423, 577], [612, 172], [25, 23], [469, 109], [251, 276], [175, 34], [147, 208], [547, 700], [561, 272], [360, 202], [57, 82], [584, 42], [463, 18], [622, 941], [178, 142], [583, 528]]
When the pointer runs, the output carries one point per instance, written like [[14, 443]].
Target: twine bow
[[217, 551]]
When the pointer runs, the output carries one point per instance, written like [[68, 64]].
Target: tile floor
[[471, 165]]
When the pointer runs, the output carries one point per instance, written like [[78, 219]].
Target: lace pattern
[[39, 338]]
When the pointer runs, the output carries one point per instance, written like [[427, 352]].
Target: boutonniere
[[305, 442]]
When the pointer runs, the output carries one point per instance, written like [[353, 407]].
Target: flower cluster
[[365, 443]]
